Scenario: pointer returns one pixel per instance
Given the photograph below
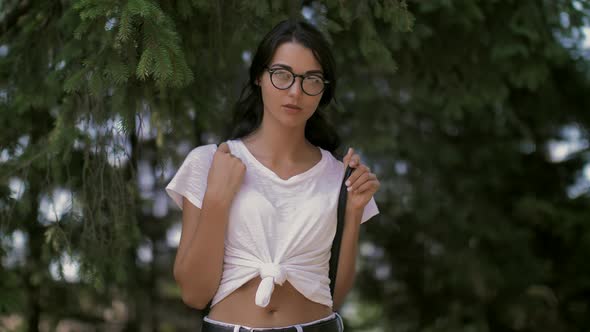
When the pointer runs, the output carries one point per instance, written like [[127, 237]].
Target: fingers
[[223, 147], [351, 159], [370, 184], [355, 160], [359, 176], [347, 157]]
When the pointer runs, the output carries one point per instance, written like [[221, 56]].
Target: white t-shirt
[[278, 229]]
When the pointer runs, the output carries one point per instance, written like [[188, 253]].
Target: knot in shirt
[[270, 274], [275, 271]]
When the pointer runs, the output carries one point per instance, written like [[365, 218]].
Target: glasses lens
[[313, 85], [282, 79]]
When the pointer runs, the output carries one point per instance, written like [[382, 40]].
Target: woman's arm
[[199, 260], [362, 185], [348, 252], [198, 265]]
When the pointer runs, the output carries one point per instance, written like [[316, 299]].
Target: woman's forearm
[[348, 252], [199, 266]]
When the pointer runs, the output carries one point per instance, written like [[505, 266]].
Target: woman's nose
[[295, 89]]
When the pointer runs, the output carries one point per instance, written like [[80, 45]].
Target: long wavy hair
[[248, 110]]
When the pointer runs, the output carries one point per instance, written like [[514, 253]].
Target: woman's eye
[[283, 74], [314, 79]]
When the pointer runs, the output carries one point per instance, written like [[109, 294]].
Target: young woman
[[259, 211]]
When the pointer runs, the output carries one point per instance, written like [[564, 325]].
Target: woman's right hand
[[226, 174]]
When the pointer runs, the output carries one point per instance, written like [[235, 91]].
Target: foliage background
[[474, 115]]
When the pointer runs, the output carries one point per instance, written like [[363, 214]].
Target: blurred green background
[[475, 116]]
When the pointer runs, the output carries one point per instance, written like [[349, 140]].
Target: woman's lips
[[292, 108]]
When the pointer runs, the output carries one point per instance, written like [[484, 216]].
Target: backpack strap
[[335, 253]]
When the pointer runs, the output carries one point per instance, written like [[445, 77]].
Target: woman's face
[[291, 107]]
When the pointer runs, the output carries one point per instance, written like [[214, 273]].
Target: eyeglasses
[[283, 79]]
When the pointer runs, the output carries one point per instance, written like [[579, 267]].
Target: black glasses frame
[[272, 70]]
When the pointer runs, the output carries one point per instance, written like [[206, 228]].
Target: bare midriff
[[287, 307]]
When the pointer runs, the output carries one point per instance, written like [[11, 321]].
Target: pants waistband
[[332, 323]]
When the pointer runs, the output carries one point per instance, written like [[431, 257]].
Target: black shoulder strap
[[339, 229]]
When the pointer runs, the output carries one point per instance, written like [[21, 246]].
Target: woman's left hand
[[362, 184]]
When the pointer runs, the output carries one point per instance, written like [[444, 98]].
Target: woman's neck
[[279, 146]]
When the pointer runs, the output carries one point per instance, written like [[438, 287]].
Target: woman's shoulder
[[330, 157], [202, 151], [208, 150], [332, 163]]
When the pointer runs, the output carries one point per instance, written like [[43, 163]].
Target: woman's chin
[[290, 120]]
